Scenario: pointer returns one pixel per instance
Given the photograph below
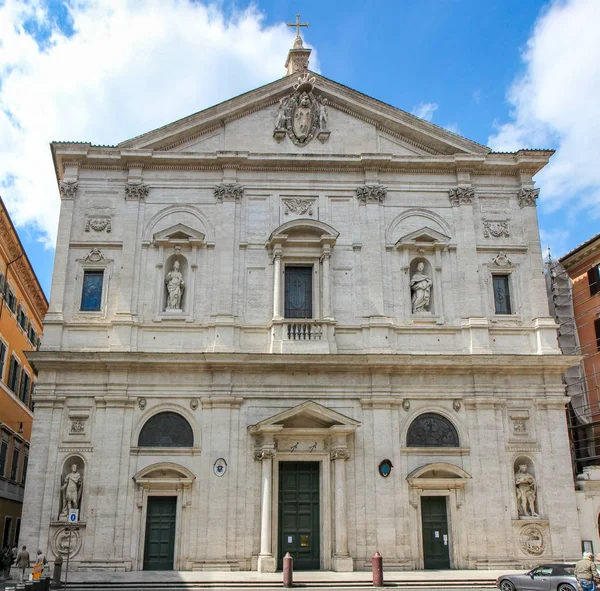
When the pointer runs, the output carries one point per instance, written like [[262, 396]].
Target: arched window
[[166, 429], [432, 430]]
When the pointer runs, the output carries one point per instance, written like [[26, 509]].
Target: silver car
[[546, 577]]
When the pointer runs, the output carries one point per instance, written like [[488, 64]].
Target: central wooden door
[[159, 548], [299, 522], [436, 544]]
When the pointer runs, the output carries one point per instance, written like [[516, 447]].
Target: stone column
[[325, 260], [266, 561], [341, 559], [277, 283]]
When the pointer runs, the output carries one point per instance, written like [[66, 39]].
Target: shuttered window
[[594, 280], [14, 374]]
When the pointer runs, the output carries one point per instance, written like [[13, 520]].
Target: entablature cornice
[[77, 361]]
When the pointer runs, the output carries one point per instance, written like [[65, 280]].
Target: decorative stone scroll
[[461, 196], [496, 229], [229, 192], [136, 191], [68, 189], [98, 224], [527, 197], [302, 115], [531, 540], [298, 206], [371, 194]]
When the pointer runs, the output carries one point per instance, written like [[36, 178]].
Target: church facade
[[301, 320]]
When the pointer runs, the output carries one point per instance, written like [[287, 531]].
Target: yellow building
[[23, 306]]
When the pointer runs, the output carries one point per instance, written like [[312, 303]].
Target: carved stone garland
[[302, 114], [136, 191], [371, 193], [98, 225], [461, 196], [527, 197], [496, 229], [298, 206], [228, 192]]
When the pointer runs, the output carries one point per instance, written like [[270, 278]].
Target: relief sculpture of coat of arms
[[302, 115]]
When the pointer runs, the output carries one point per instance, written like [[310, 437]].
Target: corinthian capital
[[461, 196], [527, 197], [136, 191], [229, 192], [371, 193], [264, 454], [67, 189]]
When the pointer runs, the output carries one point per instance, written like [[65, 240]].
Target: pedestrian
[[586, 572], [39, 565], [14, 553], [23, 562], [6, 562]]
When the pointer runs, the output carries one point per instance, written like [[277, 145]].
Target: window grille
[[298, 292], [166, 429], [432, 430], [502, 294]]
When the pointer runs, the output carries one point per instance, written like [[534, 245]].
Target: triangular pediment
[[358, 123], [424, 236], [309, 414], [178, 233]]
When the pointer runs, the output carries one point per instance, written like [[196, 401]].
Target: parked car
[[546, 577]]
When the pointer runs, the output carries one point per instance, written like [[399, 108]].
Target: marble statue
[[322, 102], [71, 491], [526, 492], [420, 285], [282, 115], [175, 286]]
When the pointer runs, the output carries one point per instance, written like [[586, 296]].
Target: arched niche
[[72, 482], [166, 429], [431, 429], [176, 263], [526, 490], [422, 292]]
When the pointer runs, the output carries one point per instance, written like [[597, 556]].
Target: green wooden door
[[299, 522], [160, 533], [436, 543]]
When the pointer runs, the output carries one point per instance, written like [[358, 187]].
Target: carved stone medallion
[[98, 224], [501, 260], [531, 540], [60, 542], [95, 256]]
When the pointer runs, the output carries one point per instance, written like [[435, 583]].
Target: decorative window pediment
[[423, 238], [303, 232], [438, 475], [178, 234]]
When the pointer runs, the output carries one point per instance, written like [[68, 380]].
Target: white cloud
[[556, 104], [425, 110], [128, 68]]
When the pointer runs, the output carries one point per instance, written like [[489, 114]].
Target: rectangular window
[[594, 279], [14, 468], [91, 295], [4, 452], [24, 471], [14, 374], [32, 335], [2, 359], [11, 300], [597, 328], [25, 387], [22, 319], [502, 294], [298, 292]]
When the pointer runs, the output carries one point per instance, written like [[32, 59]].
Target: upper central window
[[298, 292]]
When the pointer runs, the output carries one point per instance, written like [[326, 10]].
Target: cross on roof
[[297, 24]]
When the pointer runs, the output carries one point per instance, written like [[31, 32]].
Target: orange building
[[23, 306], [583, 267]]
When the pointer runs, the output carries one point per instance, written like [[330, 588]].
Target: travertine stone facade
[[367, 197]]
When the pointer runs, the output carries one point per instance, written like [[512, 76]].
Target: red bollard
[[288, 570], [377, 565]]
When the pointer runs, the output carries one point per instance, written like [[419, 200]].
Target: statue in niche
[[322, 102], [282, 115], [175, 286], [420, 284], [526, 492], [70, 491]]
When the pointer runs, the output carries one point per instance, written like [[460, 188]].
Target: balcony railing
[[305, 330]]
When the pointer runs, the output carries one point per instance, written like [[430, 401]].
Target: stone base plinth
[[266, 564], [342, 564]]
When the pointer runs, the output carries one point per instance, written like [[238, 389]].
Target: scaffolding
[[582, 381]]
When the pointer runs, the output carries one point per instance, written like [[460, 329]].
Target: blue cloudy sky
[[506, 73]]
